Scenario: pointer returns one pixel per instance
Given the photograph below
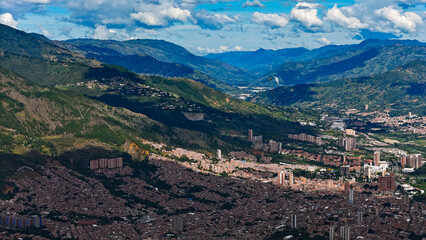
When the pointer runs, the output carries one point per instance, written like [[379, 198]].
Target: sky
[[215, 26]]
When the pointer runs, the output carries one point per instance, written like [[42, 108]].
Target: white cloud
[[220, 49], [406, 22], [336, 15], [37, 1], [255, 3], [102, 32], [213, 21], [323, 40], [43, 31], [161, 16], [271, 20], [7, 19], [306, 13]]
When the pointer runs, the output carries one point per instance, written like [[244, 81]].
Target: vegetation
[[388, 90], [366, 59], [151, 53]]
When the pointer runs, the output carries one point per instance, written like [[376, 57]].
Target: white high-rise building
[[351, 195], [331, 233]]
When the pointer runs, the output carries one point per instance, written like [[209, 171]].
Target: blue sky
[[211, 26]]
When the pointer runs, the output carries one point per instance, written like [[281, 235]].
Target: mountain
[[175, 60], [402, 89], [59, 103], [351, 64], [260, 61], [299, 65]]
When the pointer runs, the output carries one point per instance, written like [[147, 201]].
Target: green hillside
[[350, 64], [161, 52], [54, 105], [402, 89]]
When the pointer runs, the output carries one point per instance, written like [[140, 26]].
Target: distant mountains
[[260, 61], [402, 89], [299, 65], [162, 58]]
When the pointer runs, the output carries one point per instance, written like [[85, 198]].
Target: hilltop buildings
[[106, 163], [411, 161], [306, 138], [347, 143]]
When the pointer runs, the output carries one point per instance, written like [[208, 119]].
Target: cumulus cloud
[[37, 1], [161, 15], [255, 3], [43, 31], [213, 21], [271, 20], [336, 15], [386, 16], [323, 41], [220, 49], [7, 19], [306, 13], [406, 22], [102, 32]]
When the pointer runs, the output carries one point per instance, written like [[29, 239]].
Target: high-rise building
[[257, 141], [177, 224], [345, 170], [346, 184], [414, 161], [281, 178], [290, 178], [274, 146], [250, 135], [106, 163], [351, 195], [329, 183], [293, 221], [360, 217], [366, 107], [376, 158], [318, 141], [387, 183], [219, 154], [37, 221], [341, 142], [347, 143], [403, 160], [350, 143], [331, 232], [347, 233], [302, 137]]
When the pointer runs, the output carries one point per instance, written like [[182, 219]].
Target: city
[[223, 119]]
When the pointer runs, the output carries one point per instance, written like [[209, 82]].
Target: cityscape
[[257, 120]]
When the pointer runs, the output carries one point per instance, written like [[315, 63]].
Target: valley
[[106, 139]]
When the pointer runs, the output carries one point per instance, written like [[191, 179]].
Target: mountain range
[[158, 57], [54, 99], [298, 65], [402, 90]]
